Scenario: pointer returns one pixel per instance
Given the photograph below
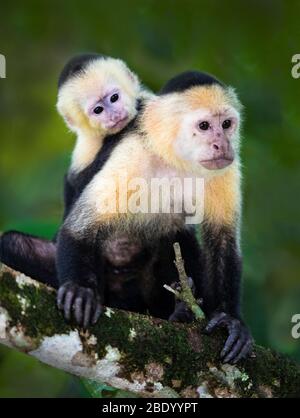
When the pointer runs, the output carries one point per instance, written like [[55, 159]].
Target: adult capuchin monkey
[[190, 131], [98, 97]]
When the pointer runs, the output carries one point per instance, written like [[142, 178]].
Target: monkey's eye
[[114, 98], [98, 109], [204, 125], [226, 124]]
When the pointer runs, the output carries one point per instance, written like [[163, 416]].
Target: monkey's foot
[[79, 303], [239, 342]]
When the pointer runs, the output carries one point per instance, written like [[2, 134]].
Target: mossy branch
[[134, 352]]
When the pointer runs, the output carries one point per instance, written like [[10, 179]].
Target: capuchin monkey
[[190, 131], [98, 97]]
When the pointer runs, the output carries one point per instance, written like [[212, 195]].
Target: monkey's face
[[196, 130], [111, 110], [101, 99], [207, 136]]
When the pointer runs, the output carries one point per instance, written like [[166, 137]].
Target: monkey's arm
[[220, 288], [223, 266], [79, 290], [79, 259]]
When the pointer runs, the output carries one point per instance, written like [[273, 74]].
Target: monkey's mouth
[[120, 123], [216, 163]]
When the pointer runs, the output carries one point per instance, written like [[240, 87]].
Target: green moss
[[9, 290], [41, 316], [272, 370], [156, 341]]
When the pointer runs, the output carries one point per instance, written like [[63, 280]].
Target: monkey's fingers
[[68, 304], [61, 297], [214, 322], [78, 309], [236, 348], [231, 340], [239, 342], [191, 284], [89, 300], [245, 351], [97, 311], [61, 294]]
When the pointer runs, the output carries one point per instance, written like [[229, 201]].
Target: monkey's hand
[[239, 342], [181, 313], [80, 303]]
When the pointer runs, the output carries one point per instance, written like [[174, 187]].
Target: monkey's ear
[[69, 121], [63, 108]]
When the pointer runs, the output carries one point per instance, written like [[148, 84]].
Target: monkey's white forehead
[[100, 76], [204, 113]]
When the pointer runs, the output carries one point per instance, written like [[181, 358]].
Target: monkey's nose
[[216, 146], [115, 117]]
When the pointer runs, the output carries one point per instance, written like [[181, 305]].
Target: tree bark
[[136, 353]]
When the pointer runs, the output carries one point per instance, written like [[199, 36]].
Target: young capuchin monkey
[[190, 131], [98, 97]]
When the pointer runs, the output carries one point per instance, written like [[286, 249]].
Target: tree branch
[[185, 294], [134, 352]]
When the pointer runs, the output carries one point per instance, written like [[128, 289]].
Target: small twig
[[185, 294]]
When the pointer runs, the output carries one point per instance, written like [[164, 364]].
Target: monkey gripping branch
[[145, 355]]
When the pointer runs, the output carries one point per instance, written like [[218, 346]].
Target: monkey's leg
[[30, 255]]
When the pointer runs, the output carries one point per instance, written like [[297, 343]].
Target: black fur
[[80, 264], [187, 80], [223, 269], [220, 290], [76, 65], [30, 255]]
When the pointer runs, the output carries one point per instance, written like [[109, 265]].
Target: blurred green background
[[246, 44]]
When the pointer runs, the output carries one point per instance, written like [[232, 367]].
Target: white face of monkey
[[196, 130], [111, 110], [101, 99], [206, 137]]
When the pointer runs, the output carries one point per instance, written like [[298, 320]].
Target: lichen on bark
[[137, 353]]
